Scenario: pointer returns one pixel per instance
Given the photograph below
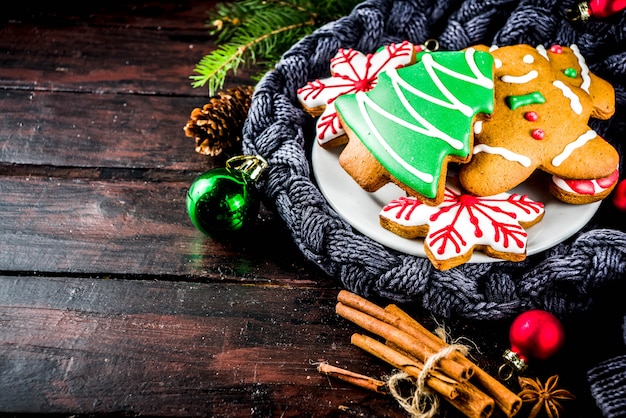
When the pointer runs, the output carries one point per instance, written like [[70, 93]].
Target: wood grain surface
[[111, 302]]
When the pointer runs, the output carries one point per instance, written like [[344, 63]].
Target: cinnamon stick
[[507, 401], [356, 379], [399, 319], [395, 316], [407, 323], [444, 387], [417, 346], [464, 396], [472, 402]]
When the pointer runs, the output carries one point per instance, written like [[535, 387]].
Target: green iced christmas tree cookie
[[419, 118]]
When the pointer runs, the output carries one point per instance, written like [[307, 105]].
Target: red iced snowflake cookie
[[351, 72], [463, 223]]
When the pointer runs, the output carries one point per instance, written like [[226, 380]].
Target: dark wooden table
[[111, 302]]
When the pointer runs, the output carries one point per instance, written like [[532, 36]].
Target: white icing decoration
[[562, 184], [430, 129], [430, 65], [456, 223], [503, 152], [480, 80], [542, 51], [398, 81], [497, 62], [569, 94], [478, 127], [569, 148], [349, 67], [584, 73], [362, 99], [528, 59], [365, 103], [522, 79]]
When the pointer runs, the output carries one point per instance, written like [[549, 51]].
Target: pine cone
[[217, 127]]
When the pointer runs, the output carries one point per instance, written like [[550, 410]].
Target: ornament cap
[[581, 12], [431, 45], [515, 360], [514, 363], [253, 166], [222, 201]]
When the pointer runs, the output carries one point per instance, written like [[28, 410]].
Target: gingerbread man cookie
[[351, 72], [543, 102]]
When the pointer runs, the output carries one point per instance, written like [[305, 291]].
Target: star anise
[[546, 396]]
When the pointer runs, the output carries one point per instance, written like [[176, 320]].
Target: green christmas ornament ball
[[223, 201]]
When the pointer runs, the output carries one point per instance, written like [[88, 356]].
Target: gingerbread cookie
[[583, 191], [416, 121], [351, 72], [543, 102], [463, 223]]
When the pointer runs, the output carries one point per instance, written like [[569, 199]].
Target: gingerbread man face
[[542, 105]]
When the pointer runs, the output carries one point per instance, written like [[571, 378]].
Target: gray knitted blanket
[[561, 280]]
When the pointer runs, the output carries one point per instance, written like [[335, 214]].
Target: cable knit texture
[[608, 384], [561, 280]]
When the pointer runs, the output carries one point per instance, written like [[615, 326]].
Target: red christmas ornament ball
[[619, 196], [605, 8], [536, 334]]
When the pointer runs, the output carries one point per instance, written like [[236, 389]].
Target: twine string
[[422, 402]]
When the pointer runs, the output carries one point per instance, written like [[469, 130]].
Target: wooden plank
[[190, 14], [129, 228], [128, 131], [150, 347], [85, 346], [111, 303], [106, 59]]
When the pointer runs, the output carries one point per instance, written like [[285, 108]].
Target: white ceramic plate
[[360, 209]]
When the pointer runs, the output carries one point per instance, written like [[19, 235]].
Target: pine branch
[[213, 68], [258, 32]]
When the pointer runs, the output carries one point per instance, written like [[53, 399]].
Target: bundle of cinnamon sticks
[[408, 346]]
